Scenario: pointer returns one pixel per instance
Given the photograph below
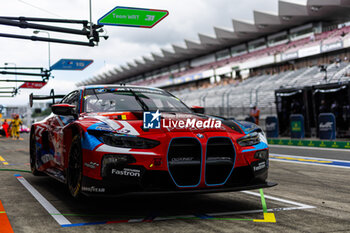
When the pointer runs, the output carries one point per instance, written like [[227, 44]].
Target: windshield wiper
[[139, 100], [95, 94]]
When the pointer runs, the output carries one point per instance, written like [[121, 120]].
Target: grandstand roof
[[290, 13]]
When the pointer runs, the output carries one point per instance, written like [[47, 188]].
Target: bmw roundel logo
[[199, 135]]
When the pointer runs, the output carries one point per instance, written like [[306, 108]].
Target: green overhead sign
[[133, 17]]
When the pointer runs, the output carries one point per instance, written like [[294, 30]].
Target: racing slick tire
[[33, 158], [75, 168]]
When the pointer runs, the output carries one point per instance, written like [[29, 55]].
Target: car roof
[[117, 85]]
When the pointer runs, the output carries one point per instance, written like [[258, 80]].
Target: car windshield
[[131, 99]]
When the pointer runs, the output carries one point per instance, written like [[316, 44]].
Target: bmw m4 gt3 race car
[[116, 140]]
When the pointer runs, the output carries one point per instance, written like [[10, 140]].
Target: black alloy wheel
[[75, 170]]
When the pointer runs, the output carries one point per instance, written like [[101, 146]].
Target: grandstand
[[303, 44]]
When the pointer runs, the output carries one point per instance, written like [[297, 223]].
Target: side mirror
[[64, 110], [197, 109]]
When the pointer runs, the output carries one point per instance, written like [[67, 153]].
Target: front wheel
[[33, 156], [75, 171]]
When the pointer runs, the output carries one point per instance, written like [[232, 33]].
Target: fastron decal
[[126, 172]]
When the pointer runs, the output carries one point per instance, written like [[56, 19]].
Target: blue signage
[[271, 127], [184, 79], [71, 64], [297, 129], [326, 126]]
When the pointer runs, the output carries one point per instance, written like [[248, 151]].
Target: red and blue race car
[[116, 140]]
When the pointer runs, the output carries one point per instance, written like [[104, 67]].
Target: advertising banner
[[327, 126], [272, 127], [289, 56], [33, 85], [309, 51], [71, 64], [332, 46], [297, 129]]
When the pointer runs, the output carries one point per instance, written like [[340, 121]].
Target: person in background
[[255, 113], [295, 107], [323, 107], [5, 127], [15, 124]]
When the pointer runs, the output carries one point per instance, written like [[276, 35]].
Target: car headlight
[[249, 140], [126, 141]]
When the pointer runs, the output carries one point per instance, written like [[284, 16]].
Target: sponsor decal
[[123, 131], [104, 128], [39, 129], [101, 90], [138, 90], [47, 158], [192, 124], [151, 120], [326, 126], [120, 127], [181, 159], [93, 189], [126, 172], [259, 166], [296, 126], [222, 158], [271, 126], [91, 165]]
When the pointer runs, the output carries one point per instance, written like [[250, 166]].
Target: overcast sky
[[186, 18]]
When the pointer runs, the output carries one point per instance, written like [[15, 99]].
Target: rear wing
[[44, 97]]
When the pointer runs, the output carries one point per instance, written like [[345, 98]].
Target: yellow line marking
[[268, 217], [3, 160], [302, 160]]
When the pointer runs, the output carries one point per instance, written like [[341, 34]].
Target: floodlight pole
[[12, 63], [90, 8], [48, 35]]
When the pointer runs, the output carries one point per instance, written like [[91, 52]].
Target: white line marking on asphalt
[[309, 163], [309, 148], [280, 200], [313, 164], [297, 206], [304, 157], [60, 219]]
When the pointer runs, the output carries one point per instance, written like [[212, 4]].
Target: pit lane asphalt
[[326, 188]]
